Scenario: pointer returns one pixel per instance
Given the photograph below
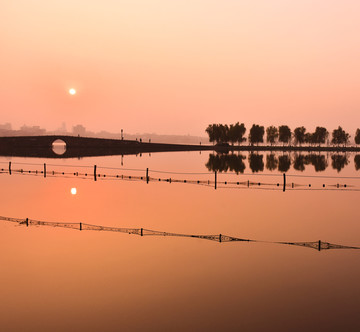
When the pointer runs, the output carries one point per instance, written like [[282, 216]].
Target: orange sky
[[176, 66]]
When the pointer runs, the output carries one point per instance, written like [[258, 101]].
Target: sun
[[72, 91], [73, 191]]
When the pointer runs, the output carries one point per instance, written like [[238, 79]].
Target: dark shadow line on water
[[221, 238]]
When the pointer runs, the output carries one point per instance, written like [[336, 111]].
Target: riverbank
[[76, 146]]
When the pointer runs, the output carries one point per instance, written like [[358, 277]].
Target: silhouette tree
[[272, 134], [220, 133], [256, 162], [223, 133], [271, 162], [284, 163], [256, 134], [319, 136], [284, 134], [210, 130], [339, 136], [300, 162], [308, 138], [339, 161], [357, 136], [237, 132], [299, 135], [357, 162], [232, 134]]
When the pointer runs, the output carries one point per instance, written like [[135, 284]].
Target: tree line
[[235, 133]]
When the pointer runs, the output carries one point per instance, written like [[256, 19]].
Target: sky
[[173, 67]]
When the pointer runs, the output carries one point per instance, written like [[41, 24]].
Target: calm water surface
[[61, 279]]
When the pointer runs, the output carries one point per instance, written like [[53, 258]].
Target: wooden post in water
[[215, 180], [147, 175], [95, 173], [319, 245], [220, 238], [81, 226], [284, 182], [10, 167], [27, 222], [44, 170], [141, 232]]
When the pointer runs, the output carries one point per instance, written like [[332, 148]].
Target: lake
[[56, 278]]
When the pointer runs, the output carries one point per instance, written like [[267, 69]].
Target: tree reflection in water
[[300, 162], [271, 162], [225, 162], [339, 161], [357, 162], [235, 162], [284, 163], [256, 162], [318, 161]]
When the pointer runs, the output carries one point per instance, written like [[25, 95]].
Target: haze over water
[[106, 280]]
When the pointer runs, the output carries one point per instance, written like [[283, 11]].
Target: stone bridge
[[76, 146]]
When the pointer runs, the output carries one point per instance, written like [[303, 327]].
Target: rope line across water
[[318, 245]]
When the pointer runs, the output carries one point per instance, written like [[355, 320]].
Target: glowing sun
[[72, 91], [73, 191]]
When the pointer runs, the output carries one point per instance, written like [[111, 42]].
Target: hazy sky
[[176, 66]]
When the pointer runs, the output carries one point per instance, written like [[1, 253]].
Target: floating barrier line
[[94, 175], [184, 173], [323, 176], [188, 173], [318, 245]]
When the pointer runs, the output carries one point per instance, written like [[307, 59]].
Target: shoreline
[[76, 146]]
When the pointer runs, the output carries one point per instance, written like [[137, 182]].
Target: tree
[[320, 135], [308, 138], [237, 132], [232, 134], [339, 136], [256, 134], [210, 130], [223, 133], [272, 134], [218, 133], [284, 134], [357, 136], [299, 135]]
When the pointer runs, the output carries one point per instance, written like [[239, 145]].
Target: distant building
[[79, 130]]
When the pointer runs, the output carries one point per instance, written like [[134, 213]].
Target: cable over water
[[281, 184], [318, 245]]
